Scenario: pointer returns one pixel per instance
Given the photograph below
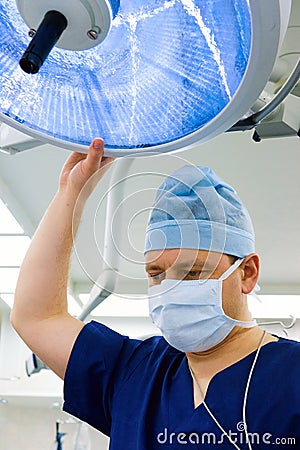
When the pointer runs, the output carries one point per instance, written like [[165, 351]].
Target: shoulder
[[128, 358], [101, 361], [289, 344], [96, 337], [285, 353]]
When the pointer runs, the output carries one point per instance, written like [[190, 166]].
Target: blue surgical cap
[[195, 209]]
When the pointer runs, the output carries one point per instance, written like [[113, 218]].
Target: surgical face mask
[[190, 314]]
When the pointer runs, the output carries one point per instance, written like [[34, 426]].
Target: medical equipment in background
[[278, 115], [82, 437], [174, 61], [58, 438], [281, 324], [34, 365]]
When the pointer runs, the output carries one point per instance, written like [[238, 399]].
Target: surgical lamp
[[149, 77]]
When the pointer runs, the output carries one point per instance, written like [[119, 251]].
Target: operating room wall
[[30, 407], [34, 428], [27, 418]]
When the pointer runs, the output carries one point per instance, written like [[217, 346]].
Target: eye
[[156, 278], [197, 274], [193, 274]]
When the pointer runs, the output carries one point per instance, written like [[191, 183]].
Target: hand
[[81, 168]]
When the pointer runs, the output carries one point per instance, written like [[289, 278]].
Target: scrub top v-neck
[[140, 393]]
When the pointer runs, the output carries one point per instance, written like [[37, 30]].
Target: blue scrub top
[[140, 393]]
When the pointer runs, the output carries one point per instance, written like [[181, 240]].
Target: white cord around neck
[[247, 389], [244, 402]]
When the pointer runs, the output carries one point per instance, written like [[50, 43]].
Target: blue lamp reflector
[[115, 5], [166, 69]]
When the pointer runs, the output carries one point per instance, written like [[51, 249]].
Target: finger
[[105, 164], [73, 159], [94, 155], [70, 163]]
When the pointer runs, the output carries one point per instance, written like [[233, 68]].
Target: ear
[[250, 268]]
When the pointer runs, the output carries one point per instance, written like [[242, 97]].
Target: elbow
[[14, 319], [14, 314], [17, 319], [21, 324]]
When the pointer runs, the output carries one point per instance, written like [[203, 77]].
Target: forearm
[[41, 291], [40, 309]]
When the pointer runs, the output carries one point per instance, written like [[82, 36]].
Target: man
[[215, 378]]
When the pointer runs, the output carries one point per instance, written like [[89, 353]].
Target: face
[[187, 264]]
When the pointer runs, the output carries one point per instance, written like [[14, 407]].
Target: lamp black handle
[[45, 38]]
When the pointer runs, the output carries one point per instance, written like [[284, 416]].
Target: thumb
[[94, 156]]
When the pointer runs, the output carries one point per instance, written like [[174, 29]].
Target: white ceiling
[[266, 176]]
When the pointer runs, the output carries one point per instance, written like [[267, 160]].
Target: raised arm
[[39, 313]]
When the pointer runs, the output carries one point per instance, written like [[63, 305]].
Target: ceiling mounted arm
[[252, 121], [106, 283]]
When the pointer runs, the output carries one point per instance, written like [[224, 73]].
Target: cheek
[[232, 296]]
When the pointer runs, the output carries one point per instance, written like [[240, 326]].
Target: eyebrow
[[149, 267], [182, 265], [192, 264]]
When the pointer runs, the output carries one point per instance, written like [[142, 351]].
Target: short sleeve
[[96, 363]]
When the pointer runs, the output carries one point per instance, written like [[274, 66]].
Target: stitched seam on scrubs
[[160, 341]]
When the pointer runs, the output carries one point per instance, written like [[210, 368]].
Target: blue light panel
[[166, 69]]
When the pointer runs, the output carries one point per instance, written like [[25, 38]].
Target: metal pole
[[107, 280]]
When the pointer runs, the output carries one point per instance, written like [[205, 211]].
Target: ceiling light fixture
[[165, 75]]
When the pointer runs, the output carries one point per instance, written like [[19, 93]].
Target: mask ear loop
[[254, 294], [226, 274], [231, 269]]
